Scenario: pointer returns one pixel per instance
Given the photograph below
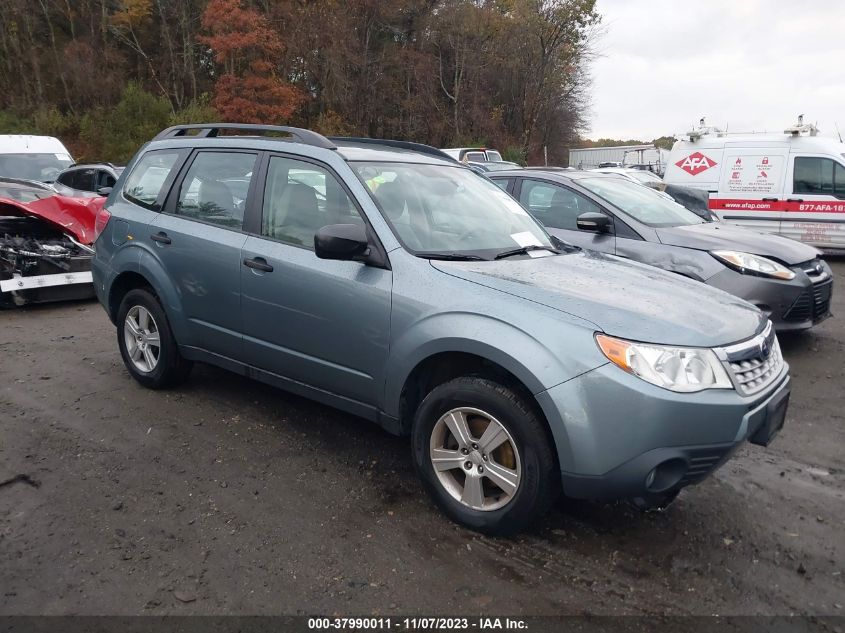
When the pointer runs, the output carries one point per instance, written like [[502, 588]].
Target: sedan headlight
[[683, 369], [753, 264]]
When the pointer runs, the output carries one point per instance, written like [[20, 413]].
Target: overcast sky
[[748, 64]]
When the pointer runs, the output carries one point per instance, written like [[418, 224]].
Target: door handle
[[258, 263], [795, 199], [770, 199], [161, 238]]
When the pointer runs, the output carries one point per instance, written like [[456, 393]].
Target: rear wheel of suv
[[484, 456], [146, 342]]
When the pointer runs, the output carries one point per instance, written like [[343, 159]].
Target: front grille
[[814, 303], [754, 364], [821, 299]]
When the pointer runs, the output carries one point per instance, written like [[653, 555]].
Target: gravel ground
[[228, 497]]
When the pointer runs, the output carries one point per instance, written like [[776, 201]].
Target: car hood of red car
[[75, 216]]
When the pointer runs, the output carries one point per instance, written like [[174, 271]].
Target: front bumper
[[792, 305], [619, 437]]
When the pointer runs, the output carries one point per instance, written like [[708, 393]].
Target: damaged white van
[[792, 184]]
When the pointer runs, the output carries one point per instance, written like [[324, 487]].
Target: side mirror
[[104, 191], [594, 222], [341, 241]]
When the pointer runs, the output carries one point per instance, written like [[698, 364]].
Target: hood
[[622, 298], [724, 236], [75, 216]]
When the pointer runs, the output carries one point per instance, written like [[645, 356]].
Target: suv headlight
[[683, 369], [753, 264]]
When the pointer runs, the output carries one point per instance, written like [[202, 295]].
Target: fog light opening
[[665, 475]]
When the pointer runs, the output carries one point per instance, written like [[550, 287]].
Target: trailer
[[637, 156]]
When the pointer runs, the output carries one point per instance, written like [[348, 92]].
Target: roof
[[308, 142], [552, 174], [29, 144], [816, 143], [614, 147]]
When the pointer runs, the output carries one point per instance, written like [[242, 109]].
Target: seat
[[213, 197], [563, 211], [391, 195], [405, 214], [297, 217]]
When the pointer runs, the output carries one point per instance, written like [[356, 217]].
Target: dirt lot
[[226, 496]]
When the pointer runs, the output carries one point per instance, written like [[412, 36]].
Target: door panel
[[814, 211], [199, 241], [321, 322]]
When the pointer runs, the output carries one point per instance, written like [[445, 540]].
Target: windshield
[[493, 155], [449, 210], [501, 166], [644, 176], [641, 203], [41, 167]]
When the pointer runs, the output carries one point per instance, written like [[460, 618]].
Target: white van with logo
[[792, 184]]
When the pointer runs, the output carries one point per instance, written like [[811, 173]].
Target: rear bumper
[[655, 442]]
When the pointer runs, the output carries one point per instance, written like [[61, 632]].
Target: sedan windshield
[[445, 211], [644, 176], [641, 203]]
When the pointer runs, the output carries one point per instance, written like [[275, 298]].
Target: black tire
[[171, 368], [539, 484]]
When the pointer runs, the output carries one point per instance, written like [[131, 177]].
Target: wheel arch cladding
[[441, 367], [150, 270], [122, 284]]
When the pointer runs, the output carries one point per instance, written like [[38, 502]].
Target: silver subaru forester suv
[[387, 280]]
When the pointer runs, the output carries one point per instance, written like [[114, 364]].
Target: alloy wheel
[[143, 342], [475, 458]]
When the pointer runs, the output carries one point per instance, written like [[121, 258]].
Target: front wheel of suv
[[484, 456], [146, 342]]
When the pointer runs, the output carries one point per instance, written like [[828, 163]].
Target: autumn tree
[[246, 49]]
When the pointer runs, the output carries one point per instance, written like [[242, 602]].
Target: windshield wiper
[[458, 257], [524, 250]]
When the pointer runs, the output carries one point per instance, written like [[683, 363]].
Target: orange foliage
[[254, 99], [248, 49]]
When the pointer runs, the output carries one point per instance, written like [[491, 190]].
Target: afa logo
[[695, 163]]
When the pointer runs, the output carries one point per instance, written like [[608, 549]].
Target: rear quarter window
[[151, 176]]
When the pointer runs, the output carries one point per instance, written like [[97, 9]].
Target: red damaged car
[[45, 243]]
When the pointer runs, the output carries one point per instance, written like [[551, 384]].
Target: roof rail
[[416, 147], [206, 130]]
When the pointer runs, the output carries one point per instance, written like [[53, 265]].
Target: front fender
[[537, 364], [695, 264]]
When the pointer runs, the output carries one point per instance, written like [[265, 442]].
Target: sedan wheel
[[142, 338], [475, 459]]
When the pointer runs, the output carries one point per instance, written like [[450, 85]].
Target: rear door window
[[68, 178], [502, 183], [105, 179], [85, 179], [215, 188], [151, 177]]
